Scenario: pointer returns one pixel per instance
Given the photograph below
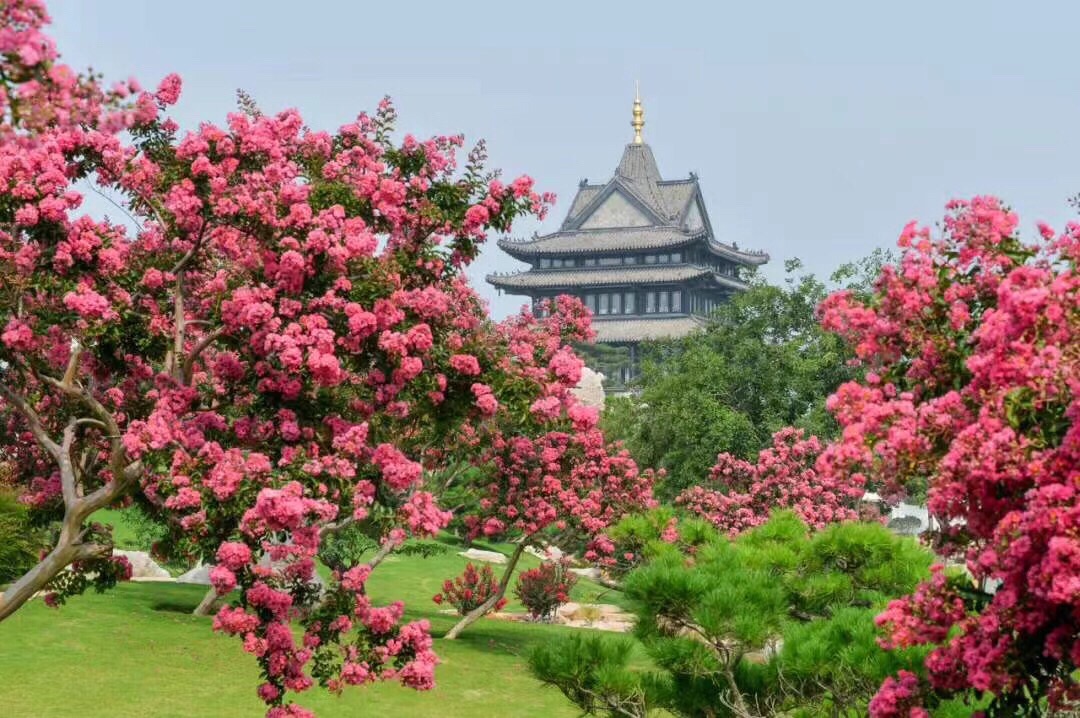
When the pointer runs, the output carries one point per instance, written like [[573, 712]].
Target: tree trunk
[[66, 552], [69, 546], [35, 580], [206, 605], [738, 704], [385, 550], [477, 613]]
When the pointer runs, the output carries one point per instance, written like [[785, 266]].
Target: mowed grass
[[138, 651]]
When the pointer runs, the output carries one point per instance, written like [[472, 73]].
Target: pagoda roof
[[600, 240], [636, 211], [640, 330], [663, 202], [649, 213], [615, 239], [608, 276]]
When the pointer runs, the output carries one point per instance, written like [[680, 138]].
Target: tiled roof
[[607, 276], [725, 250], [585, 194], [600, 240], [638, 330], [677, 193], [628, 239], [638, 169], [661, 203]]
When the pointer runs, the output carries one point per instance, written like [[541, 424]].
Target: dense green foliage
[[341, 550], [18, 539], [774, 621], [761, 364]]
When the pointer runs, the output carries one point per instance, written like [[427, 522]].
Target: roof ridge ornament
[[639, 115]]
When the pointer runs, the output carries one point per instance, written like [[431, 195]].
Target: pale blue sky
[[817, 129]]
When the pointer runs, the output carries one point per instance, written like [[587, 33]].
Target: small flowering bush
[[741, 495], [470, 590], [543, 589], [970, 348]]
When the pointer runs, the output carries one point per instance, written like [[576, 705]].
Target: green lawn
[[123, 530], [137, 651]]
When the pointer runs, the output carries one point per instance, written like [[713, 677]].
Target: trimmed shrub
[[544, 588], [470, 590]]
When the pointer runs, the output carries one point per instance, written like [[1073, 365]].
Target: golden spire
[[639, 115]]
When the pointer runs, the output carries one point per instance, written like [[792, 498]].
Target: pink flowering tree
[[276, 341], [548, 467], [566, 478], [971, 347], [741, 495]]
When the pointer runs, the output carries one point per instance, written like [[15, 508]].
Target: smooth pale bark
[[477, 613], [207, 603], [69, 548]]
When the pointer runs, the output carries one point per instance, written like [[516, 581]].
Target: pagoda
[[638, 250]]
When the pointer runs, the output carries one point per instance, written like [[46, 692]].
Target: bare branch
[[190, 254], [385, 550], [336, 526], [117, 455], [132, 471], [154, 210], [78, 391], [93, 188], [178, 315], [67, 467], [32, 420], [73, 364], [188, 367]]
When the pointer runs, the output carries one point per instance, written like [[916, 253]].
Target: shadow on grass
[[173, 607]]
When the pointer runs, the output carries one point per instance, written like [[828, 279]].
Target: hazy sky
[[817, 129]]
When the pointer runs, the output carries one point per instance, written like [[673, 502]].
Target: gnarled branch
[[33, 421]]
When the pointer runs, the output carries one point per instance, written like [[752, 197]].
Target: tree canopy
[[762, 363]]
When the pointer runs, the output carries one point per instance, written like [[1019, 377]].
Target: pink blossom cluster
[[972, 393], [741, 495], [566, 475], [898, 698]]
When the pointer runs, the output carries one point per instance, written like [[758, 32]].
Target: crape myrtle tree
[[776, 621], [275, 342], [971, 352], [550, 468], [740, 495]]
